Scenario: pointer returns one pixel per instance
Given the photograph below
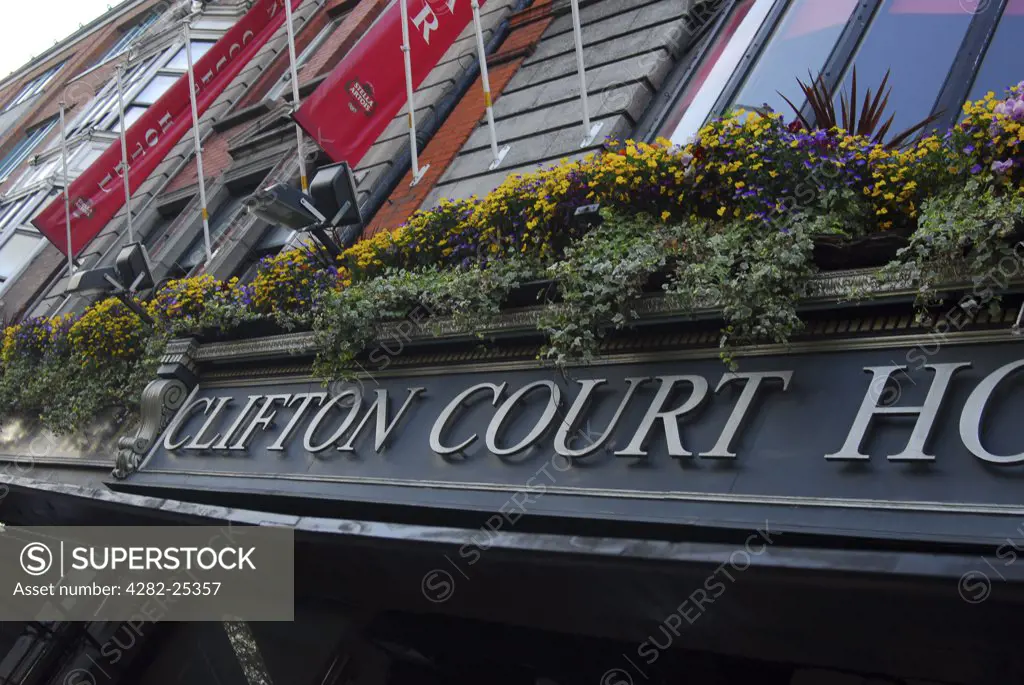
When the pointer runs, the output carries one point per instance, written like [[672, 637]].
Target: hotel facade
[[836, 507]]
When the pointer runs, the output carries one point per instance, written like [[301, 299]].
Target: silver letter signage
[[670, 419], [974, 414], [579, 407], [446, 416], [739, 412], [554, 399], [925, 414]]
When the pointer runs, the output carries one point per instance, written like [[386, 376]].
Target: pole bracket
[[419, 177], [591, 136], [502, 154]]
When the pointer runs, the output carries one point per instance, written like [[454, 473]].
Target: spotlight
[[132, 267], [334, 191], [283, 205], [587, 216], [330, 204]]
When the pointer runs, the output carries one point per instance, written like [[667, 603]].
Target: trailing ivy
[[964, 232], [347, 319], [600, 280], [756, 278]]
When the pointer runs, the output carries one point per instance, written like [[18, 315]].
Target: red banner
[[98, 194], [350, 110]]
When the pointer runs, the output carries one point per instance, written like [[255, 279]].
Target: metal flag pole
[[485, 78], [590, 131], [195, 137], [67, 196], [295, 96], [417, 173], [124, 154]]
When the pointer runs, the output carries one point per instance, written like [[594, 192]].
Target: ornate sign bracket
[[161, 400]]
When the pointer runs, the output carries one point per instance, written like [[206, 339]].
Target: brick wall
[[79, 56]]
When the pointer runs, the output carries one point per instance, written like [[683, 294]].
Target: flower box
[[834, 253], [257, 328]]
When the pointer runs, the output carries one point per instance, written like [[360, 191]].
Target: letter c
[[446, 416], [175, 426], [974, 410]]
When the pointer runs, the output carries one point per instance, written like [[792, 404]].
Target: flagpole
[[485, 78], [417, 173], [195, 138], [295, 95], [590, 131], [124, 154], [67, 197]]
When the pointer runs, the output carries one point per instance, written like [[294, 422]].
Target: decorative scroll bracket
[[161, 400]]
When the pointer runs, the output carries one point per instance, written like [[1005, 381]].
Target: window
[[180, 60], [131, 115], [800, 44], [208, 23], [19, 240], [159, 85], [15, 252], [129, 35], [917, 40], [1000, 68], [34, 87], [142, 85], [723, 56], [20, 152], [937, 53], [284, 82], [220, 219]]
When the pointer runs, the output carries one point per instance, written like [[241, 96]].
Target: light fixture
[[587, 216], [131, 272], [331, 204]]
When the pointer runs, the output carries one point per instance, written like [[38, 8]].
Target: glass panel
[[131, 115], [802, 43], [213, 23], [20, 152], [15, 253], [707, 83], [154, 89], [1001, 67], [180, 60], [219, 222], [917, 40]]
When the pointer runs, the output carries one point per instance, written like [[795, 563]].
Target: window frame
[[24, 148], [34, 87], [129, 33], [30, 205], [956, 85]]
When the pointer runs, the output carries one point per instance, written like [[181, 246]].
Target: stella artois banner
[[97, 195], [350, 109]]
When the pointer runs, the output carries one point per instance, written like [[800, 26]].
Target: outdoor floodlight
[[331, 203], [334, 192], [587, 215], [131, 272], [282, 205]]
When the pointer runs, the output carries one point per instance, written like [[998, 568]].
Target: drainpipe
[[402, 161]]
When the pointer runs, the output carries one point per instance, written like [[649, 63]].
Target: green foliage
[[964, 233], [600, 280], [755, 277], [347, 319]]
